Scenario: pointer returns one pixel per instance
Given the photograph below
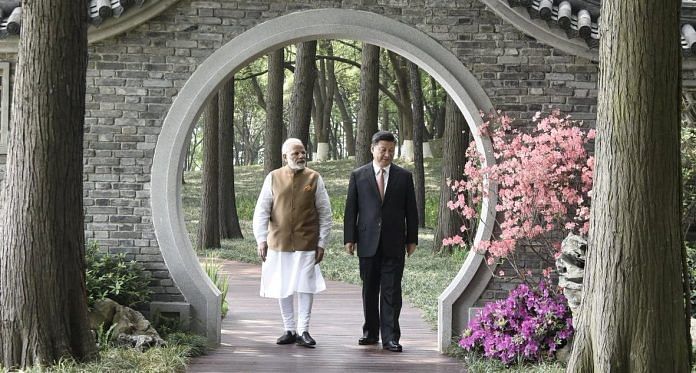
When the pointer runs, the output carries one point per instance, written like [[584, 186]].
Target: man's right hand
[[350, 247], [262, 249]]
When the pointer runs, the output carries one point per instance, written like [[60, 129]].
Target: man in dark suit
[[382, 222]]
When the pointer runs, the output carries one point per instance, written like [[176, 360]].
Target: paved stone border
[[167, 210]]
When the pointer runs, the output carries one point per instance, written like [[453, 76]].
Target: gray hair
[[288, 143]]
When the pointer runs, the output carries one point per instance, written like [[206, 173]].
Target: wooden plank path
[[253, 324]]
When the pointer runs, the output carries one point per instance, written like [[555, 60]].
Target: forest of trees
[[333, 95], [274, 89], [324, 93]]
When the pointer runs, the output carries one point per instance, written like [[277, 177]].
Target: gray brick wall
[[133, 78]]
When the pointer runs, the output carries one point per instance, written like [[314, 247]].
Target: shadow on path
[[253, 324]]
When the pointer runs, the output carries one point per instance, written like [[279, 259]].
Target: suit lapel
[[391, 184], [370, 175]]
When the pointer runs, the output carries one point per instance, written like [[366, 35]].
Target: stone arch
[[176, 130]]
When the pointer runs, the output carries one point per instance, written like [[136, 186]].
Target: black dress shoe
[[363, 341], [305, 340], [392, 346], [287, 338]]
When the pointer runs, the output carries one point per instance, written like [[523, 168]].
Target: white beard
[[297, 167]]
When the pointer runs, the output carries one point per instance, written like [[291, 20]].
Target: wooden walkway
[[253, 324]]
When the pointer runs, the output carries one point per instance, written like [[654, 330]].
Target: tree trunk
[[317, 111], [347, 120], [454, 143], [273, 138], [384, 123], [369, 103], [301, 100], [633, 312], [328, 87], [418, 129], [209, 223], [438, 109], [405, 114], [229, 220], [258, 91], [43, 299]]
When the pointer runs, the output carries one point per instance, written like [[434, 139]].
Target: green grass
[[476, 363], [172, 358], [248, 181], [425, 276]]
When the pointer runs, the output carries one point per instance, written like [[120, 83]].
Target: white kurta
[[284, 273]]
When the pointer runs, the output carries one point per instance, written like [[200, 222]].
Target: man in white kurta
[[292, 222]]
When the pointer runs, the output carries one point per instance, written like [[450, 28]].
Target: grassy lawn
[[426, 275]]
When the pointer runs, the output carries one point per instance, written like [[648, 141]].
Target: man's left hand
[[410, 248], [319, 256]]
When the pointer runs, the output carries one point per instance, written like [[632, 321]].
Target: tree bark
[[229, 220], [209, 223], [437, 110], [301, 100], [328, 87], [369, 103], [347, 120], [633, 312], [43, 299], [274, 112], [402, 78], [418, 129], [454, 143]]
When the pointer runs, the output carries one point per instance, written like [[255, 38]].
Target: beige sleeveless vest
[[294, 223]]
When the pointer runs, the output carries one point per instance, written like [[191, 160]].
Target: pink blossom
[[544, 181]]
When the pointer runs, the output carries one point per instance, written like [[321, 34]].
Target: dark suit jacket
[[367, 218]]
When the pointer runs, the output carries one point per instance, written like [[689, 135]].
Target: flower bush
[[527, 326], [544, 179]]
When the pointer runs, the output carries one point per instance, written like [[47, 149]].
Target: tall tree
[[347, 120], [369, 103], [437, 109], [405, 113], [301, 100], [633, 309], [43, 299], [209, 222], [418, 129], [455, 140], [227, 212], [326, 82], [273, 136]]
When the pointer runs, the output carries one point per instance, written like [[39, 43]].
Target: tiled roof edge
[[572, 25], [123, 16]]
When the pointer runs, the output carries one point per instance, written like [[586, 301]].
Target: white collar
[[376, 168]]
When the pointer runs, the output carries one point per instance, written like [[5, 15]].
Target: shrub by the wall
[[115, 277]]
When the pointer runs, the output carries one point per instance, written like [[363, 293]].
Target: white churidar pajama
[[285, 273]]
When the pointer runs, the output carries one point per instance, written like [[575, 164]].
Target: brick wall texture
[[133, 78]]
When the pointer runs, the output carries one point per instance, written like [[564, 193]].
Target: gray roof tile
[[579, 19], [98, 10]]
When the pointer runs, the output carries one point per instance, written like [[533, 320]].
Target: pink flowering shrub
[[527, 326], [544, 179]]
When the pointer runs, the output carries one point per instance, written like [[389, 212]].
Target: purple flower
[[529, 325]]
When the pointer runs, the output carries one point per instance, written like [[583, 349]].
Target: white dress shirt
[[376, 168]]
